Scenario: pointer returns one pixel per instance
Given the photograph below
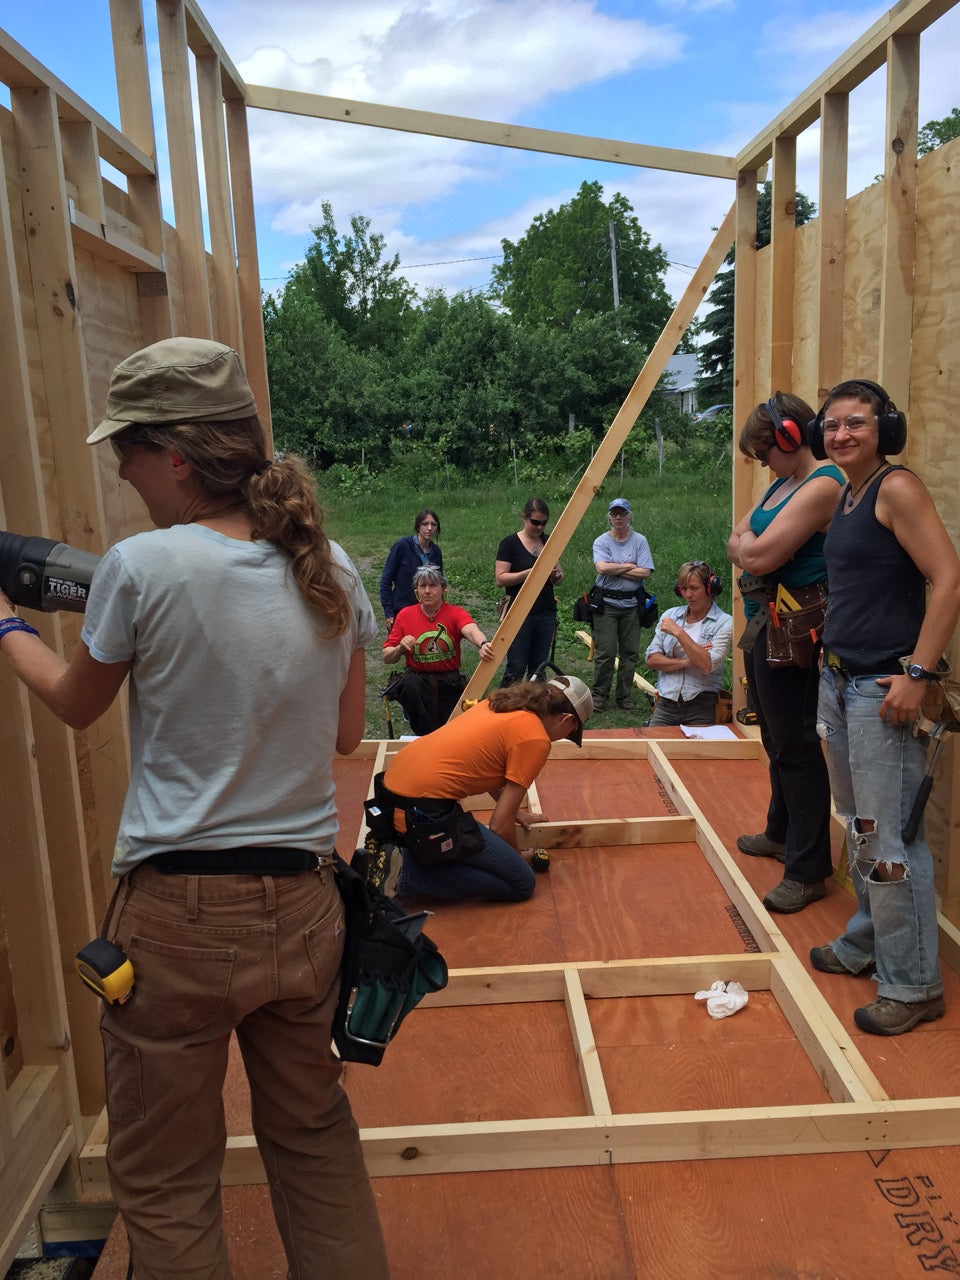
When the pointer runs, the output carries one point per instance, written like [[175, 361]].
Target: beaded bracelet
[[16, 624]]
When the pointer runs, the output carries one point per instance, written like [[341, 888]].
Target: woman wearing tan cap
[[241, 629]]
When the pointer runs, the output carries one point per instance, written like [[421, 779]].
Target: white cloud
[[516, 60]]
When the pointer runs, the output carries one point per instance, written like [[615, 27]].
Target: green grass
[[684, 514]]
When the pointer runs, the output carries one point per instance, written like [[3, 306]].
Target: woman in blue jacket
[[404, 558]]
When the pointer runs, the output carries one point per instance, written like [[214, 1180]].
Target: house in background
[[680, 382]]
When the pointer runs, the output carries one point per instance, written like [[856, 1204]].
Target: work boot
[[885, 1017], [599, 702], [762, 846], [625, 704], [825, 959], [790, 896]]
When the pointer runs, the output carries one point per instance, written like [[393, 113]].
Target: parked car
[[712, 412]]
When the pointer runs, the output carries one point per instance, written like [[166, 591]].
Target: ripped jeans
[[875, 771]]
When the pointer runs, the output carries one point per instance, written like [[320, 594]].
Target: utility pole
[[612, 231], [612, 228]]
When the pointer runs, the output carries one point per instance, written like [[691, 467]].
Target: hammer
[[912, 825]]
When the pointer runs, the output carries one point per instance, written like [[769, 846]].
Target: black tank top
[[877, 593]]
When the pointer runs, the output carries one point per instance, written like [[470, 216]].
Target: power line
[[413, 266]]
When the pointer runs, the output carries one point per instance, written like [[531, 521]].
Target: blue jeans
[[875, 772], [530, 648], [498, 873]]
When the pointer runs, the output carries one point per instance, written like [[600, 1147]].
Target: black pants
[[798, 816], [428, 700]]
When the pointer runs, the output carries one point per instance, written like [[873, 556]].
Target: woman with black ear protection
[[688, 649], [894, 604], [781, 540]]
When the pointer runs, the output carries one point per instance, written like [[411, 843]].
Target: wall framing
[[859, 1115], [90, 270]]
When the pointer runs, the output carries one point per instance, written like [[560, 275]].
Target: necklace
[[853, 494]]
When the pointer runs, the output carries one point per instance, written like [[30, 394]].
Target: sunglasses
[[538, 524]]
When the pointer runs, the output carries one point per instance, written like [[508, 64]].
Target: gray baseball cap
[[176, 380], [580, 699], [623, 504]]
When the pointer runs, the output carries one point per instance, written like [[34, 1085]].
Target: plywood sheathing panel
[[696, 1219]]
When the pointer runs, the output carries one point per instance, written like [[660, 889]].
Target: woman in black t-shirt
[[516, 556]]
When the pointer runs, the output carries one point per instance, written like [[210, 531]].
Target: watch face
[[916, 672]]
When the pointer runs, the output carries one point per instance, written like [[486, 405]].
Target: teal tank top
[[807, 564]]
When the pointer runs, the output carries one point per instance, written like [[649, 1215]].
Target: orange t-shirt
[[478, 751]]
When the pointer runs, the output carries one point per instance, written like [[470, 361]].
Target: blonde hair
[[228, 459]]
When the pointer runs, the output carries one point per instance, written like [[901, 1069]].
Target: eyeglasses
[[856, 423], [538, 524]]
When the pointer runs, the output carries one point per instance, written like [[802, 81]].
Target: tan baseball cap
[[580, 699], [176, 380]]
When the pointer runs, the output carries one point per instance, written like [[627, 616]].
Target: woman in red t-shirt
[[427, 636]]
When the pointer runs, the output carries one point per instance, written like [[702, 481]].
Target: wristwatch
[[916, 672]]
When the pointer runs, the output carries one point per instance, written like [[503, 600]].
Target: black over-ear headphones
[[787, 435], [713, 584], [891, 423]]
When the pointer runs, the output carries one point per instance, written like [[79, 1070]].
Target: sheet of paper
[[718, 732]]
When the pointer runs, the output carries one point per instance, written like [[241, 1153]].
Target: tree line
[[362, 369], [366, 375]]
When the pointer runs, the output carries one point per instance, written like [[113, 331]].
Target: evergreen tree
[[715, 383]]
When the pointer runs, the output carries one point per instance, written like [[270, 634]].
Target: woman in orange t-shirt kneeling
[[500, 746]]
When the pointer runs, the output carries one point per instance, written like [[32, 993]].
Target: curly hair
[[228, 460], [531, 695]]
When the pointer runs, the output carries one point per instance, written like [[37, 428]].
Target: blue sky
[[701, 75]]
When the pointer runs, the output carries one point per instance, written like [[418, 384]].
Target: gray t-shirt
[[234, 697], [634, 549]]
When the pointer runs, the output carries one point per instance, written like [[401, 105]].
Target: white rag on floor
[[723, 998]]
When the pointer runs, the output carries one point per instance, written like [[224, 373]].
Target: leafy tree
[[715, 383], [353, 284], [473, 382], [561, 267], [328, 398], [936, 132]]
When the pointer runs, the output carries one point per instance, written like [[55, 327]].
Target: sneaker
[[790, 896], [885, 1017], [383, 869], [626, 704], [762, 846], [825, 959]]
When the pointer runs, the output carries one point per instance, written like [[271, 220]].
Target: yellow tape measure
[[105, 970]]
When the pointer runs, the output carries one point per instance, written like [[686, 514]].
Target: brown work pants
[[258, 955]]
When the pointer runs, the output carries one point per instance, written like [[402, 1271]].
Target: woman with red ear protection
[[781, 540]]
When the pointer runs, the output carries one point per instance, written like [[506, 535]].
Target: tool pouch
[[793, 634], [444, 835], [388, 966], [647, 609], [581, 609]]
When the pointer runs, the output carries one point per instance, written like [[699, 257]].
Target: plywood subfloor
[[852, 1216]]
